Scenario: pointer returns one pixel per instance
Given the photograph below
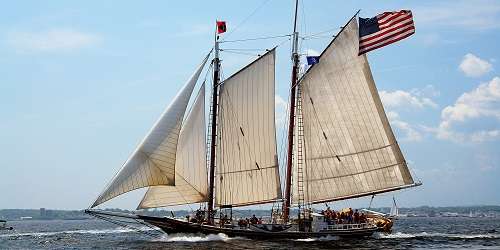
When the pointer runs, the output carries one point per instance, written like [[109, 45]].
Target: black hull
[[172, 226]]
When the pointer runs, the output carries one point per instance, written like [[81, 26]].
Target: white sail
[[394, 209], [152, 163], [247, 164], [349, 147], [190, 166]]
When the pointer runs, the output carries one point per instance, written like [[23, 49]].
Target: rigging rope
[[255, 38], [246, 18], [128, 225], [317, 37], [243, 49], [319, 33], [240, 53]]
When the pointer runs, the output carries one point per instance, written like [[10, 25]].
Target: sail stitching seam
[[358, 173]]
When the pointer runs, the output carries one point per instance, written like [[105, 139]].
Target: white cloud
[[481, 102], [410, 133], [281, 107], [431, 39], [311, 52], [414, 98], [473, 66], [485, 135], [401, 98], [475, 15], [428, 91], [391, 115], [51, 40], [485, 162]]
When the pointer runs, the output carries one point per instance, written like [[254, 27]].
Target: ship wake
[[194, 238], [401, 235], [117, 230]]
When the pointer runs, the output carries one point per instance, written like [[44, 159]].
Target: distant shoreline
[[480, 211]]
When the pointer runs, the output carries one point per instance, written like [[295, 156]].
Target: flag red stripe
[[387, 13], [386, 31], [392, 27], [383, 15], [395, 21], [364, 50], [388, 19], [392, 15], [365, 45], [385, 44], [382, 45]]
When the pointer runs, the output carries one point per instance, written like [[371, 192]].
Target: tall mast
[[213, 131], [295, 60]]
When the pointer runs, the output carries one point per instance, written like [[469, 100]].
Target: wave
[[324, 238], [194, 238], [401, 235], [117, 230]]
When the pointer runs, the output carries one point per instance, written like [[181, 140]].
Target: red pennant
[[221, 27]]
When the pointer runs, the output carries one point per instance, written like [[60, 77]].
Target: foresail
[[190, 167], [350, 149], [247, 164], [152, 163]]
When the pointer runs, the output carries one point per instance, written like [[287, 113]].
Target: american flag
[[384, 29]]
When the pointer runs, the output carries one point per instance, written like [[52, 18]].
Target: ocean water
[[409, 233]]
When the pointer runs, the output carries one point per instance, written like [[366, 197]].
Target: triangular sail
[[349, 147], [190, 167], [394, 209], [152, 163], [247, 164]]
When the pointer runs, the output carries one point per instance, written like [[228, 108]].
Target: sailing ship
[[340, 146], [394, 213]]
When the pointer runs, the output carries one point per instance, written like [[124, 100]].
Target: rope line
[[241, 53], [256, 38], [129, 225], [246, 18]]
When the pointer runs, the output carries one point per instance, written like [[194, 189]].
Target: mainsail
[[349, 148], [153, 161], [190, 167], [247, 164]]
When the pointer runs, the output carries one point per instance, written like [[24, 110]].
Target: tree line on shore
[[54, 214]]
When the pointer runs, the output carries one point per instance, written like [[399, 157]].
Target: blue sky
[[82, 82]]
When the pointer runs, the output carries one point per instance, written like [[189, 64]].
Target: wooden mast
[[295, 60], [213, 131]]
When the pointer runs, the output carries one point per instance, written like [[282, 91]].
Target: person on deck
[[254, 220], [356, 217], [362, 218], [325, 219], [350, 215], [328, 213], [333, 217], [224, 220], [242, 223]]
